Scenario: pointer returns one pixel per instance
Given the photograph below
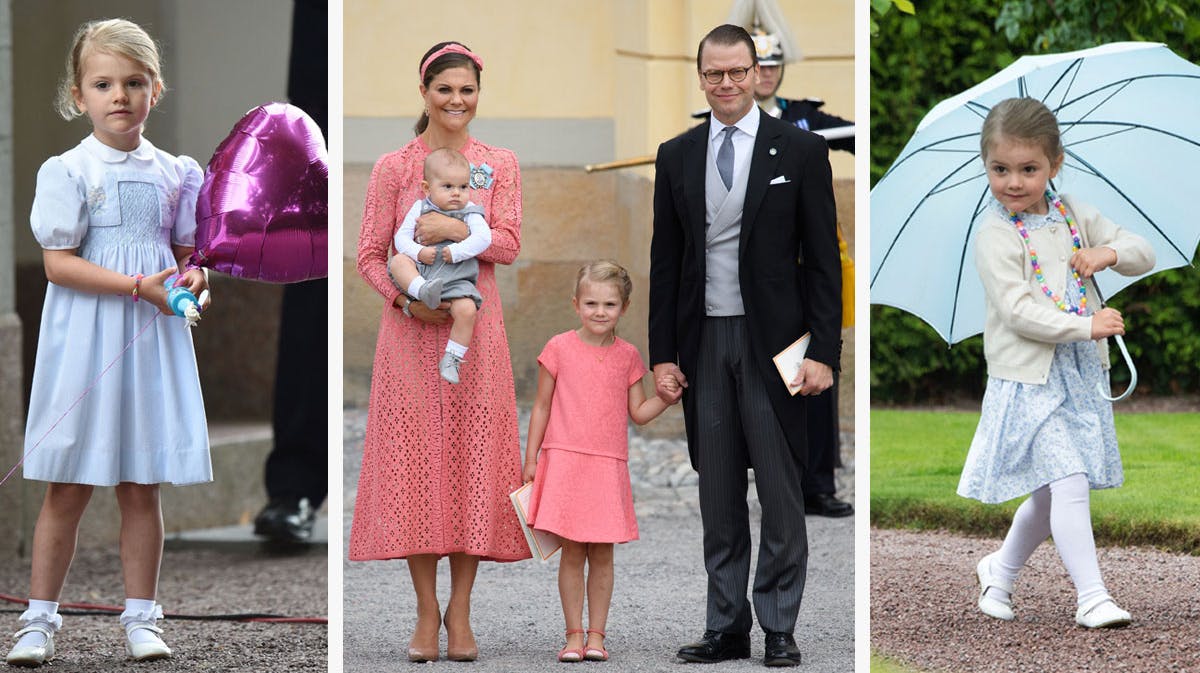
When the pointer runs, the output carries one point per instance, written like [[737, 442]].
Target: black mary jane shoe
[[781, 650], [826, 504], [716, 646]]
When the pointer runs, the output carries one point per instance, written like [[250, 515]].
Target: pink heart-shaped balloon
[[263, 210]]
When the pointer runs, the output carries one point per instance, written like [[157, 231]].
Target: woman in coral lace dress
[[439, 460]]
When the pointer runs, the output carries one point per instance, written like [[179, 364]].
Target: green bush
[[944, 49]]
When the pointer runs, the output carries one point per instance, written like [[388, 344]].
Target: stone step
[[241, 538], [234, 497]]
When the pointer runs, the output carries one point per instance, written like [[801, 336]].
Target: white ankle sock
[[39, 611], [456, 349], [414, 288], [141, 610]]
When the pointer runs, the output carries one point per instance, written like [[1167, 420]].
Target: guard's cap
[[767, 46]]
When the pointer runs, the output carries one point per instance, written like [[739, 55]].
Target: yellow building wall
[[629, 60]]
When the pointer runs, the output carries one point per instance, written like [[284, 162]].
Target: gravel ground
[[194, 583], [658, 601], [923, 594]]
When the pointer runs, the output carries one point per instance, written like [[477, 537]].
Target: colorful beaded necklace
[[1061, 302]]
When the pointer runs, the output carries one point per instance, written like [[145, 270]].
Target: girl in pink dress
[[589, 383], [439, 460]]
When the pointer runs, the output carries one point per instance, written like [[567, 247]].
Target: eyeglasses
[[718, 76]]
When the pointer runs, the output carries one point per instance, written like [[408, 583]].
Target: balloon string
[[80, 398]]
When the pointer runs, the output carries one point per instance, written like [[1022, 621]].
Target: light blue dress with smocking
[[143, 421]]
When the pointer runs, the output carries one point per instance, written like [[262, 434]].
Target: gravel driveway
[[923, 594]]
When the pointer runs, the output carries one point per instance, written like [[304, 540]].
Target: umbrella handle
[[1132, 374]]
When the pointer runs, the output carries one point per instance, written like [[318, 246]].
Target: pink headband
[[451, 49]]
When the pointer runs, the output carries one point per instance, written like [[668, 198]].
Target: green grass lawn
[[917, 456]]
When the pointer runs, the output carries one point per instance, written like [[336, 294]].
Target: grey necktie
[[725, 157]]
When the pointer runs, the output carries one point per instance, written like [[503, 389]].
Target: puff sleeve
[[59, 218], [183, 232]]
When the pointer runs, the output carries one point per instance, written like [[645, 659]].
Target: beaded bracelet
[[137, 286]]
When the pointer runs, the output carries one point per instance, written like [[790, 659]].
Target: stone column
[[11, 408]]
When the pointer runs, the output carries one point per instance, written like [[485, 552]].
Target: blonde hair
[[1023, 119], [444, 157], [606, 271], [110, 36]]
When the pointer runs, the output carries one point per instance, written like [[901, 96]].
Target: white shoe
[[32, 656], [449, 365], [1102, 613], [144, 649], [993, 607]]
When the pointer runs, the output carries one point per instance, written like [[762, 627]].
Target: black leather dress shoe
[[716, 646], [286, 520], [825, 504], [781, 650]]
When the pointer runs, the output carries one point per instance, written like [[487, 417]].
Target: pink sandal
[[568, 656], [595, 653]]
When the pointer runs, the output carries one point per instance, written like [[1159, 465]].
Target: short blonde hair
[[443, 158], [606, 271], [110, 36], [1023, 119]]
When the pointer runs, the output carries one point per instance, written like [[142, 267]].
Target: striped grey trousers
[[737, 430]]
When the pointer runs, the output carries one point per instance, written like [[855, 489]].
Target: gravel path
[[658, 601], [193, 582], [923, 593]]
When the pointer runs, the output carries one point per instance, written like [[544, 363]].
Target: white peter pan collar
[[112, 155]]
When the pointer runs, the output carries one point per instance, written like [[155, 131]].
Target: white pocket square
[[781, 180]]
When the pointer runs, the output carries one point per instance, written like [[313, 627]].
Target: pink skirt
[[582, 497]]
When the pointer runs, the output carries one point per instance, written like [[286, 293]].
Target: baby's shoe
[[35, 640], [989, 604], [1101, 613], [430, 293], [449, 365], [141, 635]]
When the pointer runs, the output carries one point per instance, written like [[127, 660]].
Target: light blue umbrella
[[1129, 113]]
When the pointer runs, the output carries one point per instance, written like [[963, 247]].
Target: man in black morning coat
[[744, 260]]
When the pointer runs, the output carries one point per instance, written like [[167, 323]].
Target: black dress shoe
[[781, 650], [717, 646], [825, 504], [286, 520]]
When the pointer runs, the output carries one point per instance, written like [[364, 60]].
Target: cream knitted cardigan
[[1022, 324]]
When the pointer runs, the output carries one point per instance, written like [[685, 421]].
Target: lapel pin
[[772, 152]]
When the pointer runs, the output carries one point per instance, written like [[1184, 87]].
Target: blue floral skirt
[[1030, 435]]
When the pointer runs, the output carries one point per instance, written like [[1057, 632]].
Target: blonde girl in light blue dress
[[115, 217]]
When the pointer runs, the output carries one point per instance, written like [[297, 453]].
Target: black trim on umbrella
[[962, 262], [1130, 201], [908, 219]]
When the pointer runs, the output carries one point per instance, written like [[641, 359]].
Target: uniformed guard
[[805, 112]]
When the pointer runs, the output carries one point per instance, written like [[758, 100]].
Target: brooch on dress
[[481, 176], [95, 199]]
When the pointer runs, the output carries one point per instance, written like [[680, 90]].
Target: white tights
[[1059, 509]]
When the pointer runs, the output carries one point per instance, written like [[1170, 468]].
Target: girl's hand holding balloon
[[154, 290], [195, 280]]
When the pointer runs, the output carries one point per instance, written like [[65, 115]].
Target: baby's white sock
[[141, 610], [414, 288], [456, 349], [39, 611]]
